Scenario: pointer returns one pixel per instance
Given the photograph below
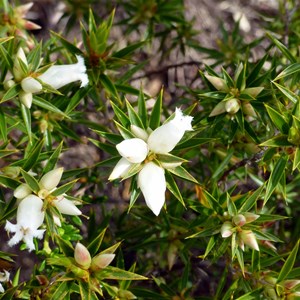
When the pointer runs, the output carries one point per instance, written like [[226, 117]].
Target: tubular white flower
[[29, 218], [22, 191], [66, 206], [164, 139], [51, 179], [58, 76], [152, 182], [134, 150], [120, 169], [30, 85]]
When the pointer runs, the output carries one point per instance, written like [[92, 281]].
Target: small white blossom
[[151, 178], [30, 217]]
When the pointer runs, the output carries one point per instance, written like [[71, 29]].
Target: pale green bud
[[226, 229], [248, 109], [239, 220], [248, 237], [290, 284], [51, 179], [101, 261], [217, 82], [22, 191], [82, 256], [250, 217], [12, 172], [253, 91], [139, 132], [8, 84], [232, 106], [17, 69]]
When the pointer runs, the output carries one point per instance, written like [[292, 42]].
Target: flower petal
[[66, 207], [120, 169], [164, 138], [134, 150], [152, 182], [51, 179]]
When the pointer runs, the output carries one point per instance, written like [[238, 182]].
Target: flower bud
[[51, 179], [17, 69], [139, 132], [66, 206], [8, 84], [30, 85], [250, 217], [248, 237], [25, 98], [248, 109], [253, 91], [226, 229], [239, 220], [82, 256], [290, 284], [12, 172], [101, 261], [22, 191], [232, 106], [217, 82]]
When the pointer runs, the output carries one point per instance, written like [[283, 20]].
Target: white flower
[[58, 76], [151, 178], [4, 277], [29, 218], [48, 183]]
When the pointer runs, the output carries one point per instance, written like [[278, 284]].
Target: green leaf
[[110, 87], [3, 126], [275, 176], [95, 244], [65, 246], [126, 134], [128, 50], [173, 188], [9, 182], [133, 116], [64, 188], [69, 46], [52, 161], [61, 291], [6, 57], [296, 160], [48, 106], [27, 120], [117, 274], [76, 99], [122, 117], [84, 289], [154, 121], [34, 57], [183, 173], [221, 168], [278, 120], [289, 263], [31, 181], [285, 51], [231, 206], [33, 156], [291, 69], [251, 200], [142, 109], [286, 92], [11, 93], [277, 141]]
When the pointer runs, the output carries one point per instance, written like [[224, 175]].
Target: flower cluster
[[244, 236], [144, 150], [31, 209], [54, 77]]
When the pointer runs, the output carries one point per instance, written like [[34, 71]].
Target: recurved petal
[[120, 169], [51, 179], [164, 138], [152, 182], [134, 150]]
